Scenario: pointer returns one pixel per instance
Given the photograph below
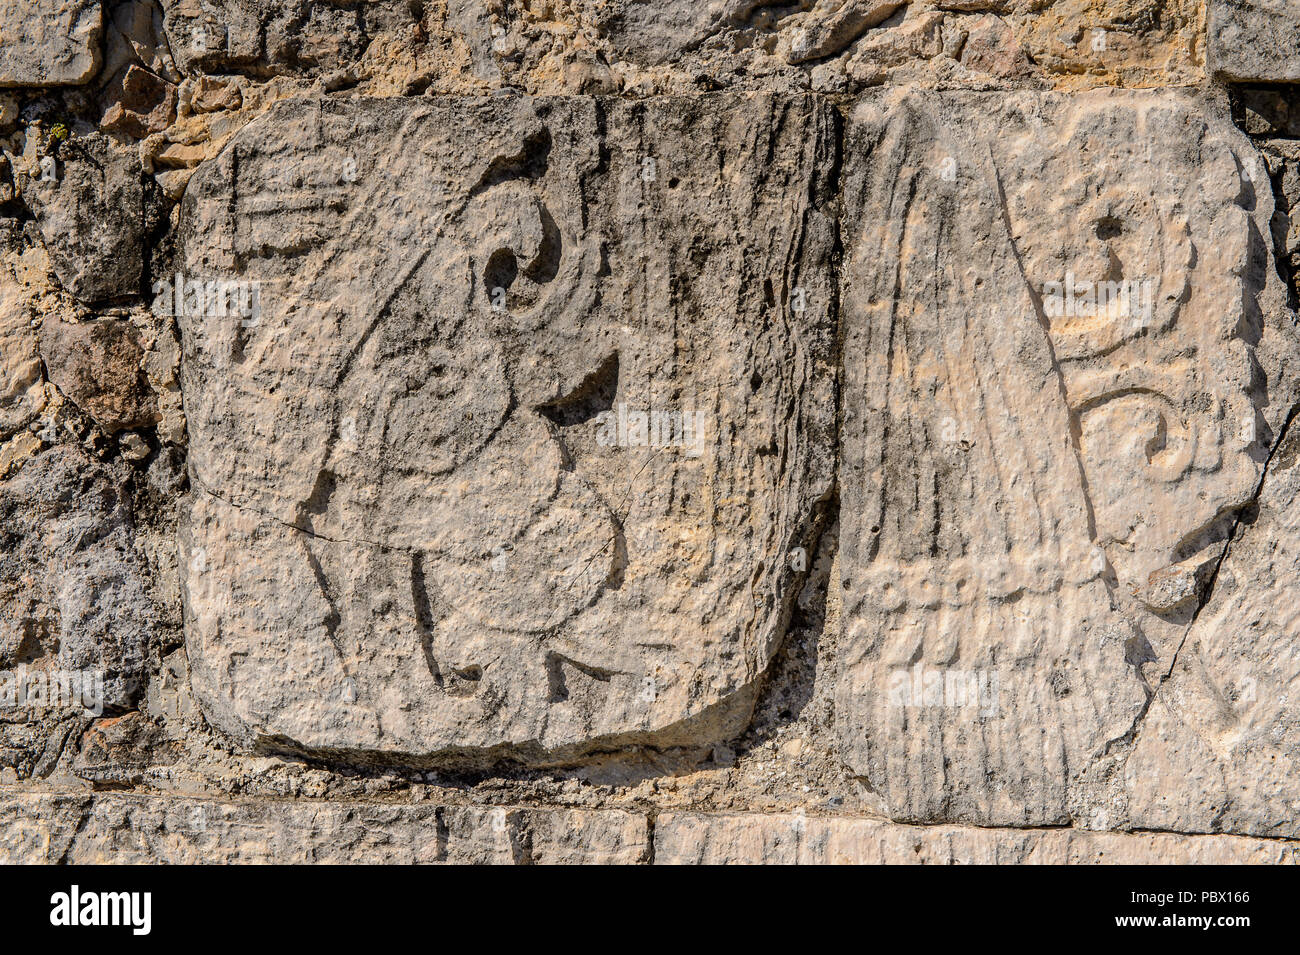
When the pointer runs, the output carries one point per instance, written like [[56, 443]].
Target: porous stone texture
[[87, 201], [1115, 440], [473, 545], [1225, 723], [112, 827], [74, 590], [275, 36], [801, 839], [97, 365], [85, 829], [1255, 40], [22, 395], [649, 432], [49, 42]]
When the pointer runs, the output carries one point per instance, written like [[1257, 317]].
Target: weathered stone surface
[[159, 828], [125, 828], [134, 36], [49, 42], [140, 103], [659, 33], [831, 28], [1254, 40], [437, 535], [799, 839], [22, 393], [326, 330], [211, 95], [88, 202], [98, 365], [1227, 724], [659, 46], [226, 34], [73, 591], [275, 36], [1283, 157], [991, 47], [1032, 491]]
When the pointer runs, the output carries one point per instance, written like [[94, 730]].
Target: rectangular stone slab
[[1254, 40], [427, 517], [80, 828], [686, 838], [154, 828], [1033, 489], [49, 42]]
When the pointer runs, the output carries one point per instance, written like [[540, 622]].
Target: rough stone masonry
[[649, 431]]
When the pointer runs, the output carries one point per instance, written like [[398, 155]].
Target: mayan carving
[[651, 431], [510, 514], [999, 561]]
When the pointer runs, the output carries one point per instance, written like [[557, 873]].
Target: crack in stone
[[1130, 736]]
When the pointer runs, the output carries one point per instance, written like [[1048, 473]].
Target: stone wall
[[649, 432]]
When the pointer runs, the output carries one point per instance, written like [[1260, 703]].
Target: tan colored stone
[[992, 48], [145, 828], [948, 554], [444, 536], [98, 365], [800, 839], [125, 828], [830, 28], [173, 182], [1226, 725], [22, 393], [182, 156], [16, 450], [1016, 468], [140, 104], [210, 95], [49, 42]]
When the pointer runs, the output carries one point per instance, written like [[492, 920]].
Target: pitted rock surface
[[534, 454], [650, 431]]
